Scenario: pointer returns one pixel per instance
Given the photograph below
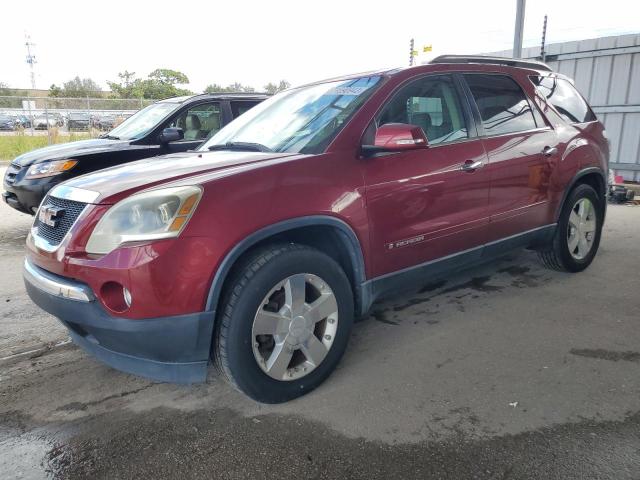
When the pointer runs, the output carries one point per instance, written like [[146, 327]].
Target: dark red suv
[[259, 249]]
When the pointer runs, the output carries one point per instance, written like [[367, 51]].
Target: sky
[[256, 42]]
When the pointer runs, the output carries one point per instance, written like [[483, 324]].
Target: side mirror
[[171, 134], [396, 137]]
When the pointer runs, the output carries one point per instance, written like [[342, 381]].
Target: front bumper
[[170, 349], [26, 195]]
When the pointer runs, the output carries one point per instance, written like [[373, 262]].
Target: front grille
[[12, 171], [72, 211]]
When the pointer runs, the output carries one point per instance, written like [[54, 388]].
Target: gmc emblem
[[50, 215]]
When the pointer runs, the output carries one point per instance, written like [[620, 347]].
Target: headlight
[[145, 216], [49, 169]]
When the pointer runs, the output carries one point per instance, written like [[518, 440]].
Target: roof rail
[[511, 62], [235, 94]]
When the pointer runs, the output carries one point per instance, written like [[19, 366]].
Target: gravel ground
[[506, 371]]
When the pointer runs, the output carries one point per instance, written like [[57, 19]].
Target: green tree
[[235, 87], [215, 88], [238, 87], [76, 88], [161, 83], [272, 88], [55, 91], [167, 76], [128, 86]]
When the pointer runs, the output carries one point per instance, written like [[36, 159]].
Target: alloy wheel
[[581, 230], [294, 327]]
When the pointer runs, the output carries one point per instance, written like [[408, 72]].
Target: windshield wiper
[[109, 137], [241, 146]]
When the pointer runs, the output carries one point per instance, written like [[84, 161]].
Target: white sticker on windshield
[[346, 91]]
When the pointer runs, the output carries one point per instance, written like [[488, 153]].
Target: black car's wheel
[[284, 322], [577, 236]]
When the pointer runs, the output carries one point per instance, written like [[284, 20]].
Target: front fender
[[347, 236]]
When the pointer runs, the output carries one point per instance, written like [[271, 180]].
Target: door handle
[[549, 151], [470, 166]]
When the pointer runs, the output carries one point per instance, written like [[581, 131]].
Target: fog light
[[115, 297], [127, 296]]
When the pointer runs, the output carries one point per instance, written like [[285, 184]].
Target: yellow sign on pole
[[414, 53], [427, 48]]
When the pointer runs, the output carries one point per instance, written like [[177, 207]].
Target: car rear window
[[563, 96], [503, 106]]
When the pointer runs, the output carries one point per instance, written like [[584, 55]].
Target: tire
[[561, 254], [260, 285]]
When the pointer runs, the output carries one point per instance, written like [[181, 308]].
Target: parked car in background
[[44, 121], [105, 121], [25, 122], [172, 125], [259, 249], [8, 122], [78, 121]]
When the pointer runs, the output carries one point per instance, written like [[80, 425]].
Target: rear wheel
[[577, 236], [284, 323]]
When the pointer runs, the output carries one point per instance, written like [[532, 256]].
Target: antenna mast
[[31, 59]]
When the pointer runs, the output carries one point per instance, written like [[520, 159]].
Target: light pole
[[517, 36]]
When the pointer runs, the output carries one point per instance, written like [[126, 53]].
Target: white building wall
[[606, 70]]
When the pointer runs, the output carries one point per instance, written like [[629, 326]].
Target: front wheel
[[284, 322], [577, 236]]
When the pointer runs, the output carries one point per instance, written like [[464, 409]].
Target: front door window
[[431, 103], [200, 122]]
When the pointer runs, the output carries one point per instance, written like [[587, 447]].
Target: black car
[[173, 125]]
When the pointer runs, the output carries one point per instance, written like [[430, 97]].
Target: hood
[[121, 181], [70, 150]]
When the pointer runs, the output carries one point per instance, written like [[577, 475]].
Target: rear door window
[[238, 108], [503, 106], [565, 99]]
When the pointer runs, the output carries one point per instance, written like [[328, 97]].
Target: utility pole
[[517, 36], [31, 59], [543, 54], [411, 50]]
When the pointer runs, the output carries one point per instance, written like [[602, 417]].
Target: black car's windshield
[[143, 121], [300, 120]]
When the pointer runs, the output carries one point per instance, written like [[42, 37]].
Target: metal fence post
[[89, 114], [46, 119], [30, 115]]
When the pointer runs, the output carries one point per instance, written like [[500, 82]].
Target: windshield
[[300, 120], [143, 121]]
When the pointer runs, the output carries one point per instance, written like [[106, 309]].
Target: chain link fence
[[60, 117]]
